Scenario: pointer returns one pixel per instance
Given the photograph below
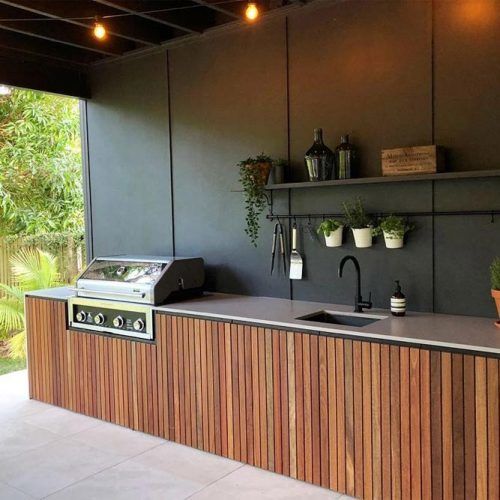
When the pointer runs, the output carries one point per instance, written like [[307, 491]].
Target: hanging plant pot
[[393, 240], [334, 239], [362, 237], [259, 172]]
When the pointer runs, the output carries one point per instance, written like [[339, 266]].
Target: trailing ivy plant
[[396, 226], [253, 183], [329, 226], [495, 274]]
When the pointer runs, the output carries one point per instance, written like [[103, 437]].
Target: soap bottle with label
[[398, 302]]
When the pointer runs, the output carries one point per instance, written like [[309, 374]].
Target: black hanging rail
[[491, 213]]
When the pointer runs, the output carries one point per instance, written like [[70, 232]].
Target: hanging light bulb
[[252, 12], [5, 90], [99, 30]]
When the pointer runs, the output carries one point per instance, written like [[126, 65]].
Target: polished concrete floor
[[48, 452]]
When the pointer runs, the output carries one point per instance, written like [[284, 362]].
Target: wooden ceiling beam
[[56, 10], [121, 6]]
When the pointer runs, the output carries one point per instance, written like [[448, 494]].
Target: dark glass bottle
[[319, 159], [345, 159]]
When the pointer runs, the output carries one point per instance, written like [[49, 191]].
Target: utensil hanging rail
[[272, 216]]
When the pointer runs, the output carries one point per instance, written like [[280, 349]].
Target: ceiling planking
[[58, 32]]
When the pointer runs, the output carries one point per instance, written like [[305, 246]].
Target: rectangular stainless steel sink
[[338, 318]]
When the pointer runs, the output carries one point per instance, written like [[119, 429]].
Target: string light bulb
[[99, 30], [252, 11], [5, 90]]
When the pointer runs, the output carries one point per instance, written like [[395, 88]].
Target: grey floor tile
[[129, 481], [117, 440], [9, 493], [61, 421], [249, 483], [51, 467], [187, 463], [17, 437]]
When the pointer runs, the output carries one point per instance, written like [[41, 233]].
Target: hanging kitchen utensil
[[311, 232], [295, 258], [278, 240]]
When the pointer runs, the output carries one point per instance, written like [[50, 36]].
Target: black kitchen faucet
[[359, 304]]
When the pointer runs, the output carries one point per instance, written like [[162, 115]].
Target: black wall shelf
[[380, 180]]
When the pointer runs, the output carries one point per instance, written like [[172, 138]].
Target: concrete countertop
[[466, 333]]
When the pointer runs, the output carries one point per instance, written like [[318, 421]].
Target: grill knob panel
[[139, 325], [118, 322], [99, 319], [81, 316]]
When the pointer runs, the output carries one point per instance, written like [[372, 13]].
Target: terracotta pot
[[496, 295], [261, 172]]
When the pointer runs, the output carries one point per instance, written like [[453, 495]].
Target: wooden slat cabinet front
[[367, 419]]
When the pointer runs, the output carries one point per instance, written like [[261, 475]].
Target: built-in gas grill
[[115, 294]]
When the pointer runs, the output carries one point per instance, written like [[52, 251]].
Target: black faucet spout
[[359, 304]]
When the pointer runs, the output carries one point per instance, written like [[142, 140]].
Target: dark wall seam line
[[287, 80], [433, 83], [87, 191], [170, 151]]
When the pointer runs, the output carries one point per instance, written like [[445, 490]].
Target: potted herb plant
[[394, 229], [359, 222], [254, 173], [495, 285], [332, 230]]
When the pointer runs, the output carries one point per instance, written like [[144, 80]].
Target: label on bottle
[[398, 305]]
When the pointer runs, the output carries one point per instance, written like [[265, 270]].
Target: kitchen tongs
[[278, 239]]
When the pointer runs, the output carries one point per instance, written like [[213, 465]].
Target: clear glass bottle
[[319, 159], [345, 159]]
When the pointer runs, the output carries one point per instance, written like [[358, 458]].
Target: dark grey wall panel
[[467, 76], [362, 68], [129, 158], [228, 103], [466, 246], [412, 265], [358, 67]]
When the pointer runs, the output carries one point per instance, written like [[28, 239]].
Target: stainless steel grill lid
[[143, 279]]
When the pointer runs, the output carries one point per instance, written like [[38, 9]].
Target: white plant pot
[[391, 241], [363, 237], [334, 239]]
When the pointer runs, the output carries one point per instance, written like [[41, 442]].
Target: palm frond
[[13, 292], [17, 346], [11, 315], [35, 269]]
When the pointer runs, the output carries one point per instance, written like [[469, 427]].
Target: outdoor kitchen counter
[[465, 333]]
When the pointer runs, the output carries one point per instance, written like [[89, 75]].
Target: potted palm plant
[[359, 222], [394, 229], [495, 285], [254, 173], [332, 230], [32, 270]]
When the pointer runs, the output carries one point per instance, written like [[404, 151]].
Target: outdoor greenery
[[8, 365], [495, 274], [328, 226], [40, 165], [253, 178], [33, 270], [395, 226], [355, 215]]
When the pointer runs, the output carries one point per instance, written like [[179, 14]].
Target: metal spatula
[[295, 258]]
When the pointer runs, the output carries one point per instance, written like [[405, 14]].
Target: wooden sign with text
[[412, 160]]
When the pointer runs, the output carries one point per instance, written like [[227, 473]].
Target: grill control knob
[[99, 319], [138, 325], [81, 316], [118, 322]]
